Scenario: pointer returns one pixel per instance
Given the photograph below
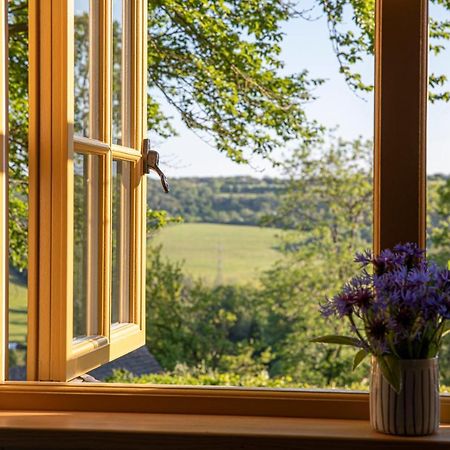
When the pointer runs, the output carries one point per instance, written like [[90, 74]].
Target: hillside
[[227, 200]]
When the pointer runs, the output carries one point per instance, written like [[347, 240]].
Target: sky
[[307, 45]]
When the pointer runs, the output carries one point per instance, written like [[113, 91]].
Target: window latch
[[151, 162]]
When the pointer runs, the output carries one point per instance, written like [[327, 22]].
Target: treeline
[[235, 200], [238, 200]]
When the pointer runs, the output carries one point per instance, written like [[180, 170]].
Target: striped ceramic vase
[[414, 411]]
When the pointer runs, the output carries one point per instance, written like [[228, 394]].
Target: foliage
[[158, 219], [193, 324], [351, 25], [327, 214], [18, 137], [183, 376], [351, 43], [231, 200], [200, 376], [218, 64], [439, 219]]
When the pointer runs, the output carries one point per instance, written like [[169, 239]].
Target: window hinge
[[151, 162]]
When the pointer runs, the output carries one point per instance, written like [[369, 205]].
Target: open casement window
[[401, 94], [87, 190]]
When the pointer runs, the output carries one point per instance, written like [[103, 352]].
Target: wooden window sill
[[82, 430]]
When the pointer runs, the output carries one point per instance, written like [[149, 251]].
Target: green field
[[220, 253], [17, 309]]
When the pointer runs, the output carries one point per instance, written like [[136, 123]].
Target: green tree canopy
[[219, 65]]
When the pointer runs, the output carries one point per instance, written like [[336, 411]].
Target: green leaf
[[340, 340], [359, 358], [390, 368], [446, 329]]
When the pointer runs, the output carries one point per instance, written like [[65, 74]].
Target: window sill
[[47, 429]]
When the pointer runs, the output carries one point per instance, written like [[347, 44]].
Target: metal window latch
[[151, 162]]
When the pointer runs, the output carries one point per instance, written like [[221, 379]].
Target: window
[[63, 168], [90, 240]]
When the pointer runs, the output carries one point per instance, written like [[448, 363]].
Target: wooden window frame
[[394, 86], [52, 353]]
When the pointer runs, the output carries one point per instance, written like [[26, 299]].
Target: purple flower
[[419, 277], [412, 255], [364, 258], [399, 305]]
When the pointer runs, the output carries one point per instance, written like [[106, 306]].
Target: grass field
[[220, 253], [17, 309]]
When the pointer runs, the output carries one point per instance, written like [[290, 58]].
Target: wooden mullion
[[39, 269], [138, 127], [51, 189], [106, 74], [62, 188], [90, 146], [33, 197], [401, 82]]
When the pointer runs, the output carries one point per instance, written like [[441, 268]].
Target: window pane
[[233, 292], [121, 210], [121, 78], [438, 170], [86, 67], [86, 236]]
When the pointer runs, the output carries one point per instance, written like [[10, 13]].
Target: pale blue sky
[[307, 45]]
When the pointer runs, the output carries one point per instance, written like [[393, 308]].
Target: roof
[[139, 362]]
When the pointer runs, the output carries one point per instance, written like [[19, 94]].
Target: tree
[[18, 124], [327, 216], [439, 219], [196, 325], [219, 65]]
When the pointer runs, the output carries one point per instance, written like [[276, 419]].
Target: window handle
[[151, 162]]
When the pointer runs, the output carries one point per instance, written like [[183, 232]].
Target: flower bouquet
[[397, 309]]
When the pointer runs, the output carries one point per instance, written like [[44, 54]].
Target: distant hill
[[236, 200], [229, 200]]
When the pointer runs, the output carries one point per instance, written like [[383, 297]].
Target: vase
[[414, 411]]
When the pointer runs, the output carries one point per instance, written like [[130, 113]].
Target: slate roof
[[139, 362], [17, 373]]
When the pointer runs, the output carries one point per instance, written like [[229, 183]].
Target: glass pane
[[233, 292], [117, 72], [121, 211], [121, 79], [86, 68], [18, 190], [86, 236], [438, 168]]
